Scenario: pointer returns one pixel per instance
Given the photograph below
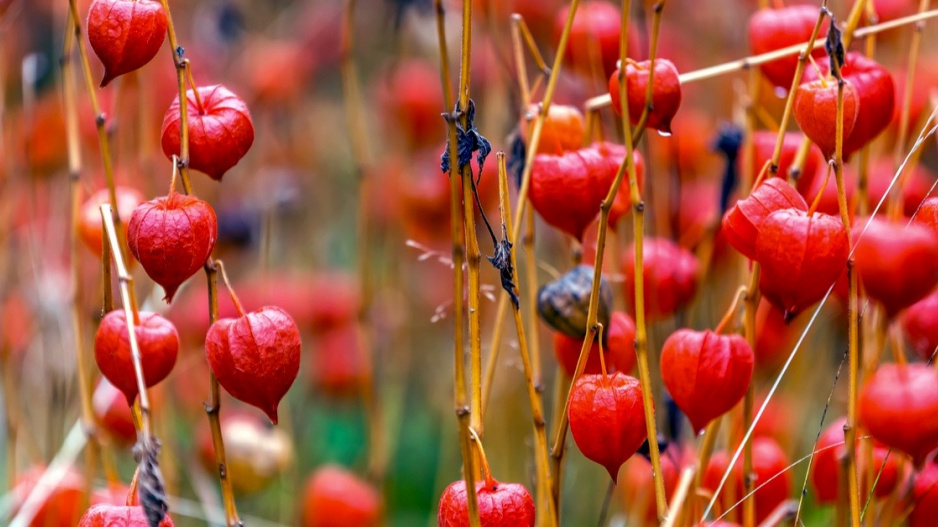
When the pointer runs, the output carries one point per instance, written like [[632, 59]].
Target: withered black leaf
[[150, 488], [468, 140], [834, 45]]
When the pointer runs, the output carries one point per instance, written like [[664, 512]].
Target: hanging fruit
[[899, 406], [172, 237], [125, 34], [255, 357], [665, 94], [157, 341], [220, 130], [801, 256], [606, 418], [706, 373]]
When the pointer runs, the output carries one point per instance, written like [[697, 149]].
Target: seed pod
[[500, 504], [220, 130], [618, 353], [764, 147], [896, 263], [770, 466], [773, 29], [158, 343], [172, 237], [256, 453], [742, 222], [876, 90], [335, 496], [562, 130], [90, 230], [125, 34], [665, 94], [607, 419], [899, 406], [920, 322], [567, 189], [706, 373], [105, 515], [826, 468], [801, 257], [816, 113], [924, 497], [114, 414], [564, 303], [670, 277], [596, 27], [255, 357], [63, 504]]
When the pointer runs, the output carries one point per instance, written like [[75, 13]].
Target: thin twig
[[458, 252], [89, 420], [361, 156], [100, 120], [604, 100], [542, 463], [638, 208]]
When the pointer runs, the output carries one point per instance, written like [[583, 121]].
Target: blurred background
[[300, 209]]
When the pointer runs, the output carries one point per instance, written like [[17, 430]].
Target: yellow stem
[[602, 101], [458, 252], [542, 463]]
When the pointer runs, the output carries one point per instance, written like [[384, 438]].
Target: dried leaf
[[150, 488]]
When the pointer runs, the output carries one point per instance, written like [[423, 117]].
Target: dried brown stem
[[602, 101], [458, 253], [100, 121], [534, 398], [213, 409], [641, 338], [129, 301], [361, 155]]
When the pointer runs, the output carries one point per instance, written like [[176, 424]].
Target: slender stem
[[641, 338], [100, 120], [602, 101], [750, 305], [89, 420], [796, 81], [132, 317], [361, 155], [749, 147], [850, 431], [520, 36], [652, 55], [491, 363], [904, 115], [529, 42], [531, 294], [535, 138], [681, 493], [703, 459], [181, 66], [486, 469], [199, 106], [731, 311], [534, 398], [458, 253], [231, 292], [213, 409], [473, 255]]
